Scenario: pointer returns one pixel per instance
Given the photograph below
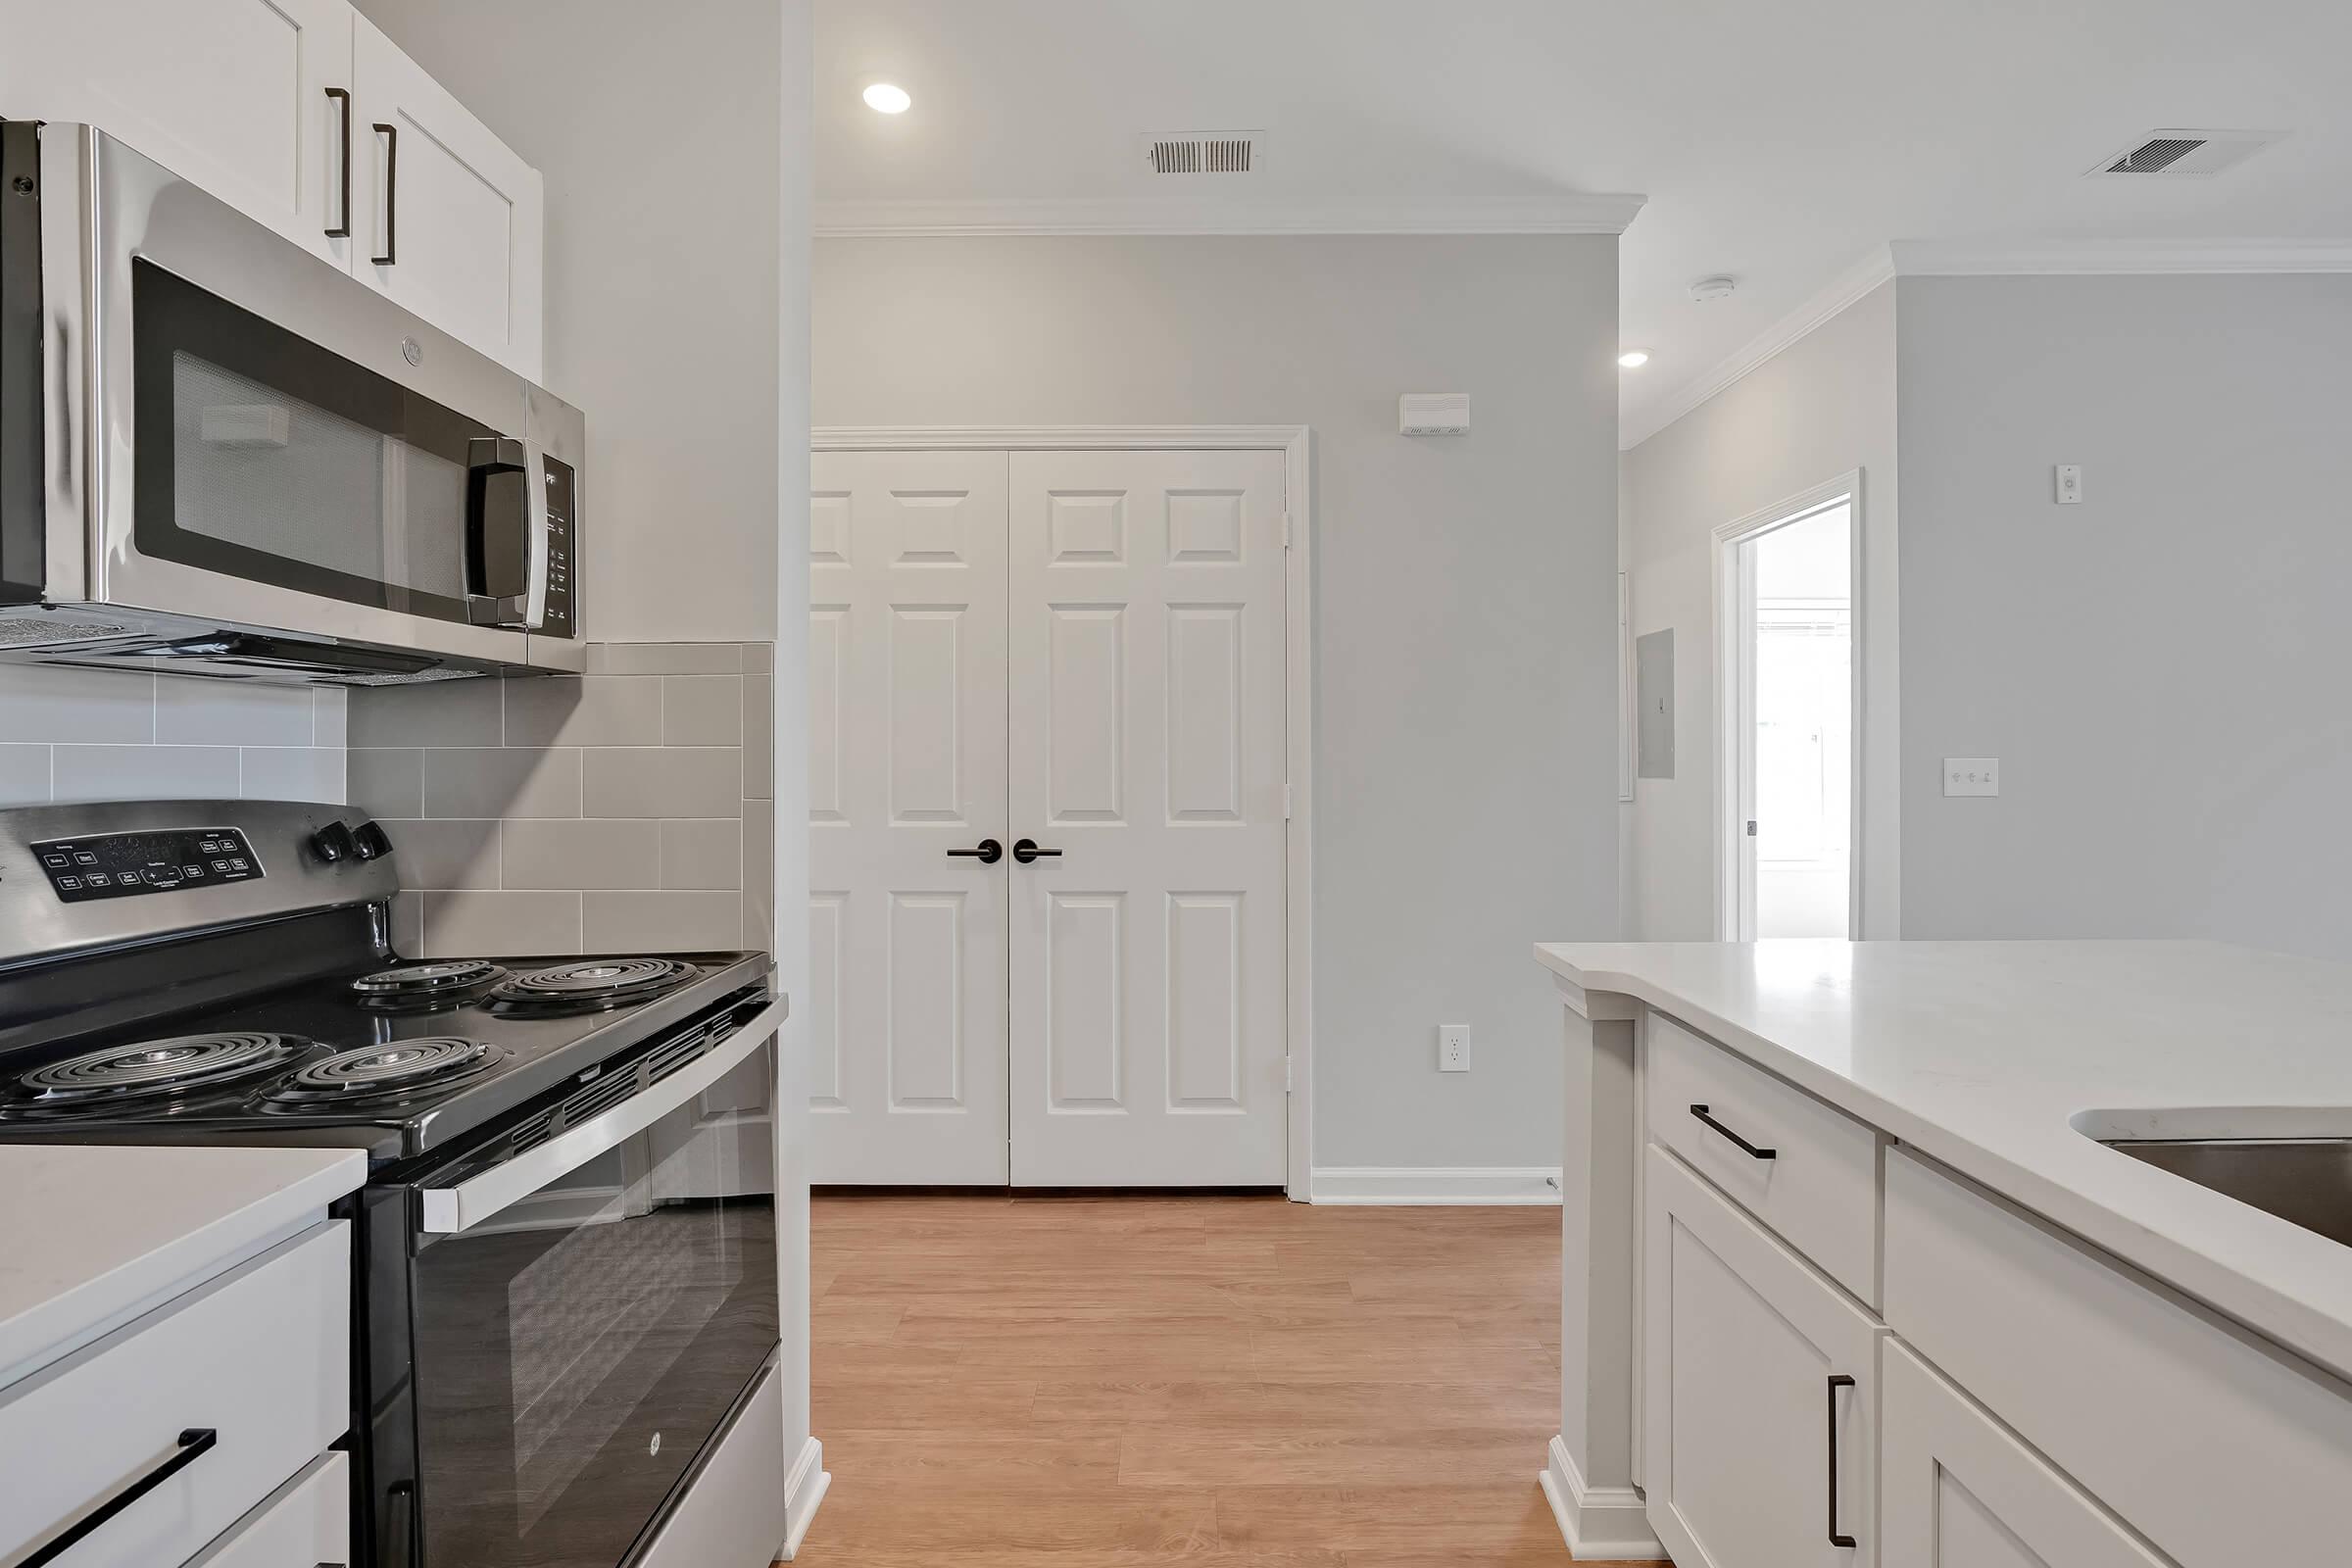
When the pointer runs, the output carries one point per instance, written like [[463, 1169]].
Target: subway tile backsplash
[[626, 808], [70, 734], [618, 811]]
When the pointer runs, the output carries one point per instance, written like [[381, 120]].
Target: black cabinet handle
[[192, 1444], [988, 853], [1026, 849], [1837, 1380], [391, 135], [1745, 1148], [342, 228]]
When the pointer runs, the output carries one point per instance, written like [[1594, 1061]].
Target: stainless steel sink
[[2305, 1181]]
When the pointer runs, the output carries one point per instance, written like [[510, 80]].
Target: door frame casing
[[1296, 443], [1731, 673]]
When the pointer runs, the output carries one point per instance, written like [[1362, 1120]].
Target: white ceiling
[[1783, 144]]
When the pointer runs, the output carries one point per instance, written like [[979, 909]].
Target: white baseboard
[[804, 1489], [1598, 1523], [1412, 1185]]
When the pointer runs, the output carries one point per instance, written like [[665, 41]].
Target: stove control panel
[[127, 864]]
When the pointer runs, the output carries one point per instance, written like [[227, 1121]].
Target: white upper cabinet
[[231, 94], [274, 106], [450, 219]]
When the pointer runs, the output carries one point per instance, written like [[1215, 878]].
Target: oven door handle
[[448, 1210]]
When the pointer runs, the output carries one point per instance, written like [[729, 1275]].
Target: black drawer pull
[[1837, 1380], [1745, 1148], [391, 135], [192, 1444], [342, 228]]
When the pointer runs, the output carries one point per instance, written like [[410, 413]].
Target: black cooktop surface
[[396, 1057]]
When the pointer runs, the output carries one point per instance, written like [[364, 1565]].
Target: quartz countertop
[[1984, 1055], [91, 1234]]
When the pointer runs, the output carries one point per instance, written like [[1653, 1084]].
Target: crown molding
[[1858, 279], [1566, 213], [1937, 258]]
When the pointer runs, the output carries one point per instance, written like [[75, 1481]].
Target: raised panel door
[[907, 1017]]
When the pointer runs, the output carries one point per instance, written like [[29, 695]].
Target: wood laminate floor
[[1214, 1382]]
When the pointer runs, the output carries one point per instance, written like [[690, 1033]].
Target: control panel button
[[99, 879], [57, 863], [71, 884], [85, 857], [191, 871], [162, 876]]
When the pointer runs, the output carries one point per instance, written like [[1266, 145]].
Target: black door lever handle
[[988, 852], [1026, 849]]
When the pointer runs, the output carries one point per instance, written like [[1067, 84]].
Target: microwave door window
[[289, 466]]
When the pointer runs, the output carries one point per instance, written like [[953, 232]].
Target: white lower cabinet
[[1956, 1491], [305, 1524], [1761, 1392], [151, 1443]]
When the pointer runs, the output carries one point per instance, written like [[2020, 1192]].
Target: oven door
[[283, 448], [584, 1315]]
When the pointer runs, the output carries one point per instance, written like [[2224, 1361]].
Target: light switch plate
[[1972, 775]]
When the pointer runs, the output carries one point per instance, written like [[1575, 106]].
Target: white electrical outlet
[[1972, 775], [1453, 1047]]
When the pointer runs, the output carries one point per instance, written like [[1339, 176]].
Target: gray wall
[[1822, 406], [2160, 669], [1465, 780], [656, 127]]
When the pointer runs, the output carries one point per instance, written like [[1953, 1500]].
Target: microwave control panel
[[562, 508], [127, 864]]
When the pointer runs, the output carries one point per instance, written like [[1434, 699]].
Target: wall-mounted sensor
[[1434, 413]]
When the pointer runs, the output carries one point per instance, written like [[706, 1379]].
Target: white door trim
[[1846, 488], [1295, 442]]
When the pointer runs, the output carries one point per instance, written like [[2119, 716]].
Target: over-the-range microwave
[[221, 455]]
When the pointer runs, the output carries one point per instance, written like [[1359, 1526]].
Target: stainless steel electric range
[[567, 1248]]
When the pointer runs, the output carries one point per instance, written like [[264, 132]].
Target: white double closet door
[[1085, 651]]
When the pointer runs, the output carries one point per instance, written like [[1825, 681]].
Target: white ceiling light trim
[[1931, 257], [1563, 215], [1848, 287]]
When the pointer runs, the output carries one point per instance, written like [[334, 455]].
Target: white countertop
[[1979, 1053], [88, 1233]]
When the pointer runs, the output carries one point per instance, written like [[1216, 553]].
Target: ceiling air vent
[[2178, 154], [1206, 152]]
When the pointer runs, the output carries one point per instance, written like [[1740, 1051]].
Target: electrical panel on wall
[[1434, 413]]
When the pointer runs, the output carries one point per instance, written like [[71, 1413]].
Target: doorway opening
[[1790, 712]]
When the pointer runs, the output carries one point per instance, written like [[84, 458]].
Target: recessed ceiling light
[[886, 98], [1634, 359]]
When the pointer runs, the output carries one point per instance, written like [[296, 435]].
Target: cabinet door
[[1959, 1492], [1759, 1391], [450, 218], [230, 94]]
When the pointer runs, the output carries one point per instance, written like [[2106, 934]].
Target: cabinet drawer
[[1759, 1392], [2201, 1438], [1819, 1189], [260, 1356], [1955, 1489], [305, 1524]]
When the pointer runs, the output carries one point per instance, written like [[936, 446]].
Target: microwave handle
[[487, 455], [461, 1206]]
